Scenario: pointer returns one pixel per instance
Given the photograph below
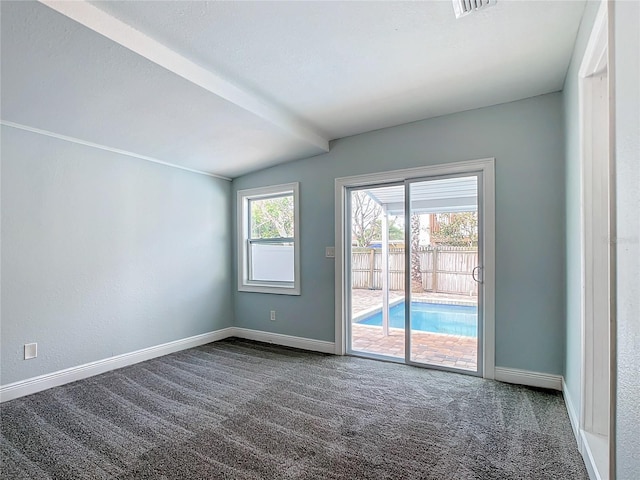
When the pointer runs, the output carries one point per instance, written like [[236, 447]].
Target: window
[[268, 240]]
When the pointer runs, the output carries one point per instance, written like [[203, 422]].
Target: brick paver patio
[[434, 348]]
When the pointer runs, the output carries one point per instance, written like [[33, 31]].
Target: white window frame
[[243, 230]]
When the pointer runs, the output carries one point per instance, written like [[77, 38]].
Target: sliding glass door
[[377, 271], [415, 272], [444, 273]]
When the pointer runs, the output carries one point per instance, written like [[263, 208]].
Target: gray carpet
[[242, 410]]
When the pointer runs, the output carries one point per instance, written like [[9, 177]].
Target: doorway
[[596, 425], [416, 283]]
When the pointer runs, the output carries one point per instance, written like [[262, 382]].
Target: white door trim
[[596, 204], [486, 166]]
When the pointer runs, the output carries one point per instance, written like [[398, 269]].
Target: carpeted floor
[[242, 410]]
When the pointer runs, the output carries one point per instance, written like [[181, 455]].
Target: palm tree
[[416, 274]]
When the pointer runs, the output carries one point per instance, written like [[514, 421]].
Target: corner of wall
[[572, 267]]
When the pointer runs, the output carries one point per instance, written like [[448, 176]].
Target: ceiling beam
[[118, 31]]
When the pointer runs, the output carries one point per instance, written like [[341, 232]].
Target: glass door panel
[[376, 327], [443, 233]]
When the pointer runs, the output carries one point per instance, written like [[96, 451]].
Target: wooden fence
[[454, 266]]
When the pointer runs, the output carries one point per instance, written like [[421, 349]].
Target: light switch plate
[[330, 252]]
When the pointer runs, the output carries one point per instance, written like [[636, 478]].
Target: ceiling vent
[[465, 7]]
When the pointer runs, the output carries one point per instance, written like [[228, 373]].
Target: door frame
[[597, 352], [342, 235]]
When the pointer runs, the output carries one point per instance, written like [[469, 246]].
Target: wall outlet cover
[[30, 350]]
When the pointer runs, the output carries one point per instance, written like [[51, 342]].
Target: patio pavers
[[452, 351]]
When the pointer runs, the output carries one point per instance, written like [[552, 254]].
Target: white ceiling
[[231, 87]]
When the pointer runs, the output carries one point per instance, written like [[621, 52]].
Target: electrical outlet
[[273, 315], [30, 350]]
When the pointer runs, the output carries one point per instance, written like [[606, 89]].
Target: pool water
[[432, 317]]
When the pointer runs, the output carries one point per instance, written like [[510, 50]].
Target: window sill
[[257, 288]]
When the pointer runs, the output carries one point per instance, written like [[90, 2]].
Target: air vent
[[465, 7]]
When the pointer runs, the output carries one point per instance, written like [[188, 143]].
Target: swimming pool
[[431, 317]]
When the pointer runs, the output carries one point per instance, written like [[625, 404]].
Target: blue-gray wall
[[526, 139], [104, 254], [572, 196], [626, 61]]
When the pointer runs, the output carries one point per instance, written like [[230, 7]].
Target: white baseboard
[[593, 448], [525, 377], [68, 375], [595, 452], [285, 340], [573, 414], [588, 448]]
